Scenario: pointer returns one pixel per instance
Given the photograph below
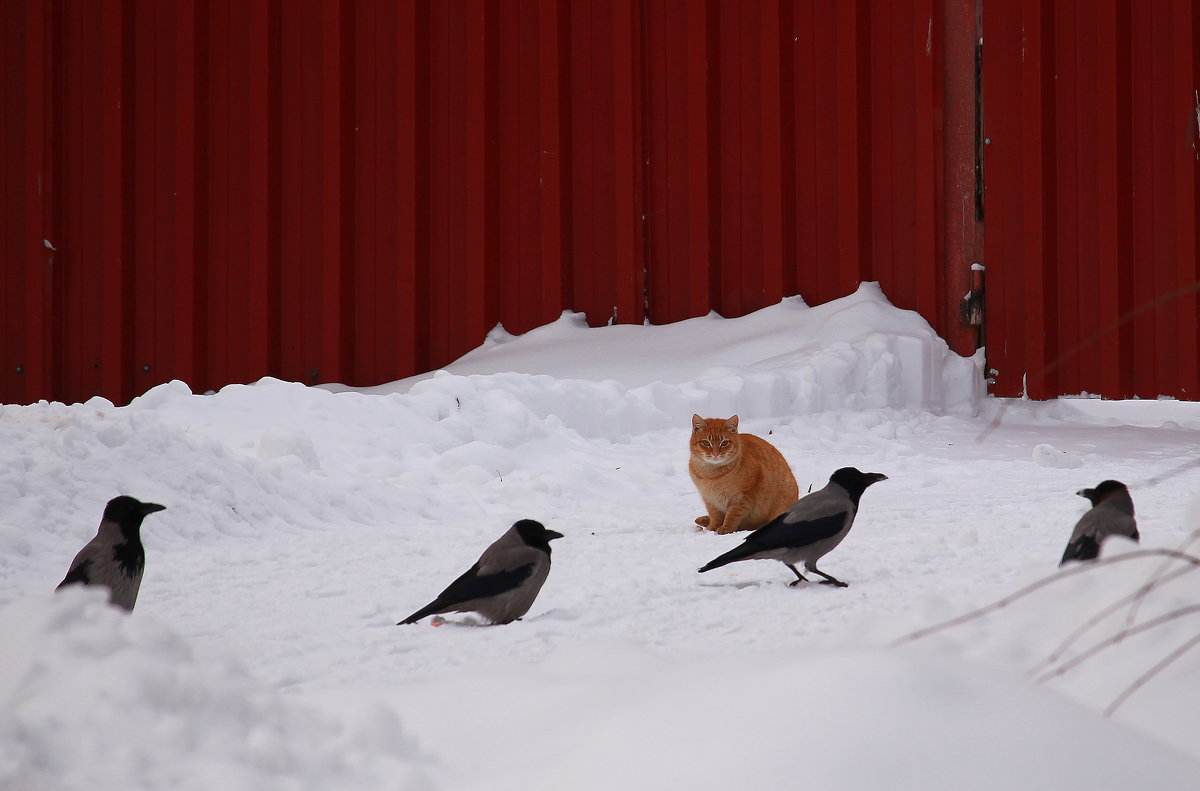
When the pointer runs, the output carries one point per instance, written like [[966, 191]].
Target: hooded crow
[[115, 557], [809, 529], [1111, 514], [503, 583]]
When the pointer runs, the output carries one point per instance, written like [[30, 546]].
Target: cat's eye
[[724, 443], [706, 443]]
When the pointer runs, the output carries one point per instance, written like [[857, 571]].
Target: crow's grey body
[[115, 558], [1111, 514], [808, 530], [503, 583]]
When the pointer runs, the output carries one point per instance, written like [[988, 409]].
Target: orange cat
[[744, 481]]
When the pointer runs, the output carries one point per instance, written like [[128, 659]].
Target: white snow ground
[[302, 523]]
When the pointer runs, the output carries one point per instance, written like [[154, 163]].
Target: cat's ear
[[697, 423], [731, 424]]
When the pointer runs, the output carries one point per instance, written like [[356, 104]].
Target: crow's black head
[[1102, 492], [855, 481], [535, 534], [128, 512]]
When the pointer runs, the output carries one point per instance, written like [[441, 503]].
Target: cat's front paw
[[703, 521]]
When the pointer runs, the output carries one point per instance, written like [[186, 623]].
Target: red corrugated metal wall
[[358, 191], [792, 148], [217, 190], [1092, 183]]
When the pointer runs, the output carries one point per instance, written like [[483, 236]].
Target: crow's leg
[[799, 577], [828, 579]]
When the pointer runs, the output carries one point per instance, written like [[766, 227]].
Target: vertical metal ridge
[[358, 190]]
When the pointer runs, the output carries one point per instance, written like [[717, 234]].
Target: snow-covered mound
[[303, 522], [93, 699], [858, 352], [604, 717]]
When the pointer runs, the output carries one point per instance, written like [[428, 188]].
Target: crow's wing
[[1093, 527], [781, 533], [79, 573], [472, 585], [1083, 548]]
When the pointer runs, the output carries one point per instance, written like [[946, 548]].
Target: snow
[[303, 522], [1050, 456], [856, 352]]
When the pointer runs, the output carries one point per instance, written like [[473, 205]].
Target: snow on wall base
[[859, 352]]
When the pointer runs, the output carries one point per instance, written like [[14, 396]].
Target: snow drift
[[858, 352], [93, 699], [303, 522]]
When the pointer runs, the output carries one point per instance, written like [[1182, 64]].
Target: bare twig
[[1035, 586], [1162, 477], [1143, 679], [1144, 591], [1115, 639], [1087, 625]]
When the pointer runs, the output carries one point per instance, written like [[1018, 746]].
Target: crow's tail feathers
[[428, 609], [737, 553]]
